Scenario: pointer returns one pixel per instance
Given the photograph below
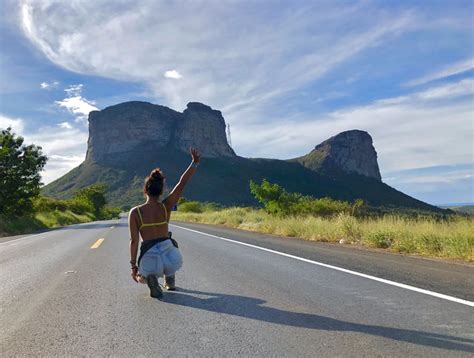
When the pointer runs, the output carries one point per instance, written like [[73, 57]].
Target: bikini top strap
[[166, 212], [140, 215]]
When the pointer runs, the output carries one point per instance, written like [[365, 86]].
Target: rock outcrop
[[132, 127], [204, 128], [351, 152]]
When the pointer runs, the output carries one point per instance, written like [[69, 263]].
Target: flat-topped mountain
[[129, 139], [134, 127]]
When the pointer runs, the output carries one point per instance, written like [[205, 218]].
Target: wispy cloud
[[231, 64], [450, 70], [76, 104], [49, 86]]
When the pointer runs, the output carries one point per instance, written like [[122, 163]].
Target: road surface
[[67, 293]]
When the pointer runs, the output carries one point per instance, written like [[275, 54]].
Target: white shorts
[[162, 259]]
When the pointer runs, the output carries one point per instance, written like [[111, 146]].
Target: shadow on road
[[253, 308]]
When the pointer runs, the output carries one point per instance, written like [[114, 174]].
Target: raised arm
[[172, 199], [134, 240]]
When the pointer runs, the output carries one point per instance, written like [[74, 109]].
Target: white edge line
[[22, 238], [46, 232], [378, 279]]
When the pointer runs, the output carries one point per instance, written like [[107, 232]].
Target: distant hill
[[465, 209], [129, 139]]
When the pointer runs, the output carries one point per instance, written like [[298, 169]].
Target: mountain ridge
[[127, 140]]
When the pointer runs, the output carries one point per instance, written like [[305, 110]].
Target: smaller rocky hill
[[350, 152]]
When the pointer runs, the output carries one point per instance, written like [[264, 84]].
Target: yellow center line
[[97, 244]]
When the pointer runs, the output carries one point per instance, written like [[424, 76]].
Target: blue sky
[[286, 75]]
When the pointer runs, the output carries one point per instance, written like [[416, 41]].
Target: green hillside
[[224, 181]]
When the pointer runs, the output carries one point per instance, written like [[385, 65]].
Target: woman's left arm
[[134, 240]]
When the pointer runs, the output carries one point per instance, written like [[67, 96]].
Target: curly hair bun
[[156, 174], [154, 183]]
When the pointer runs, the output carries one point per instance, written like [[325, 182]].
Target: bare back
[[152, 220]]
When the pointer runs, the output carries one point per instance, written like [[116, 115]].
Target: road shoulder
[[450, 278]]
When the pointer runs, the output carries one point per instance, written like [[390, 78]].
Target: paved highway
[[67, 293]]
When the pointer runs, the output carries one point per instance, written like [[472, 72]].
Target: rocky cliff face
[[132, 127], [350, 152], [128, 130], [204, 128]]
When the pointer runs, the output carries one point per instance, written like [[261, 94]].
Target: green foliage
[[197, 207], [381, 238], [108, 213], [276, 200], [20, 180], [191, 207], [92, 197]]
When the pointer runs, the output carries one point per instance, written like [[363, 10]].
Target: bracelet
[[194, 164]]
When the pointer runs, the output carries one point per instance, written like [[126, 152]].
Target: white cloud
[[17, 124], [49, 86], [65, 146], [65, 125], [450, 70], [76, 104], [59, 165], [447, 178], [173, 74]]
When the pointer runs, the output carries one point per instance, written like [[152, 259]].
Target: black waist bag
[[173, 241]]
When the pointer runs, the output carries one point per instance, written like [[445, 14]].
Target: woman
[[158, 254]]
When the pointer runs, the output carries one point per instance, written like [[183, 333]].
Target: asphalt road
[[60, 297]]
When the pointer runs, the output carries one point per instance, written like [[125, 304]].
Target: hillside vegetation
[[86, 205], [328, 220]]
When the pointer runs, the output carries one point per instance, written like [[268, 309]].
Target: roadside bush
[[276, 200], [44, 203], [92, 196], [382, 239], [80, 206], [108, 213], [191, 207]]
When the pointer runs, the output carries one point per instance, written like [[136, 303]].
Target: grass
[[41, 220], [451, 238]]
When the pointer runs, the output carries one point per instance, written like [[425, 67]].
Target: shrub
[[108, 213], [381, 239], [92, 196], [191, 207], [277, 200]]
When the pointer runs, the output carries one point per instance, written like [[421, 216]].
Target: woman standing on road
[[159, 254]]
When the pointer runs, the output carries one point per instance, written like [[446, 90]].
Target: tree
[[20, 179], [94, 196]]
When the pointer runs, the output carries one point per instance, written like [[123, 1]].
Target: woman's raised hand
[[195, 155]]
